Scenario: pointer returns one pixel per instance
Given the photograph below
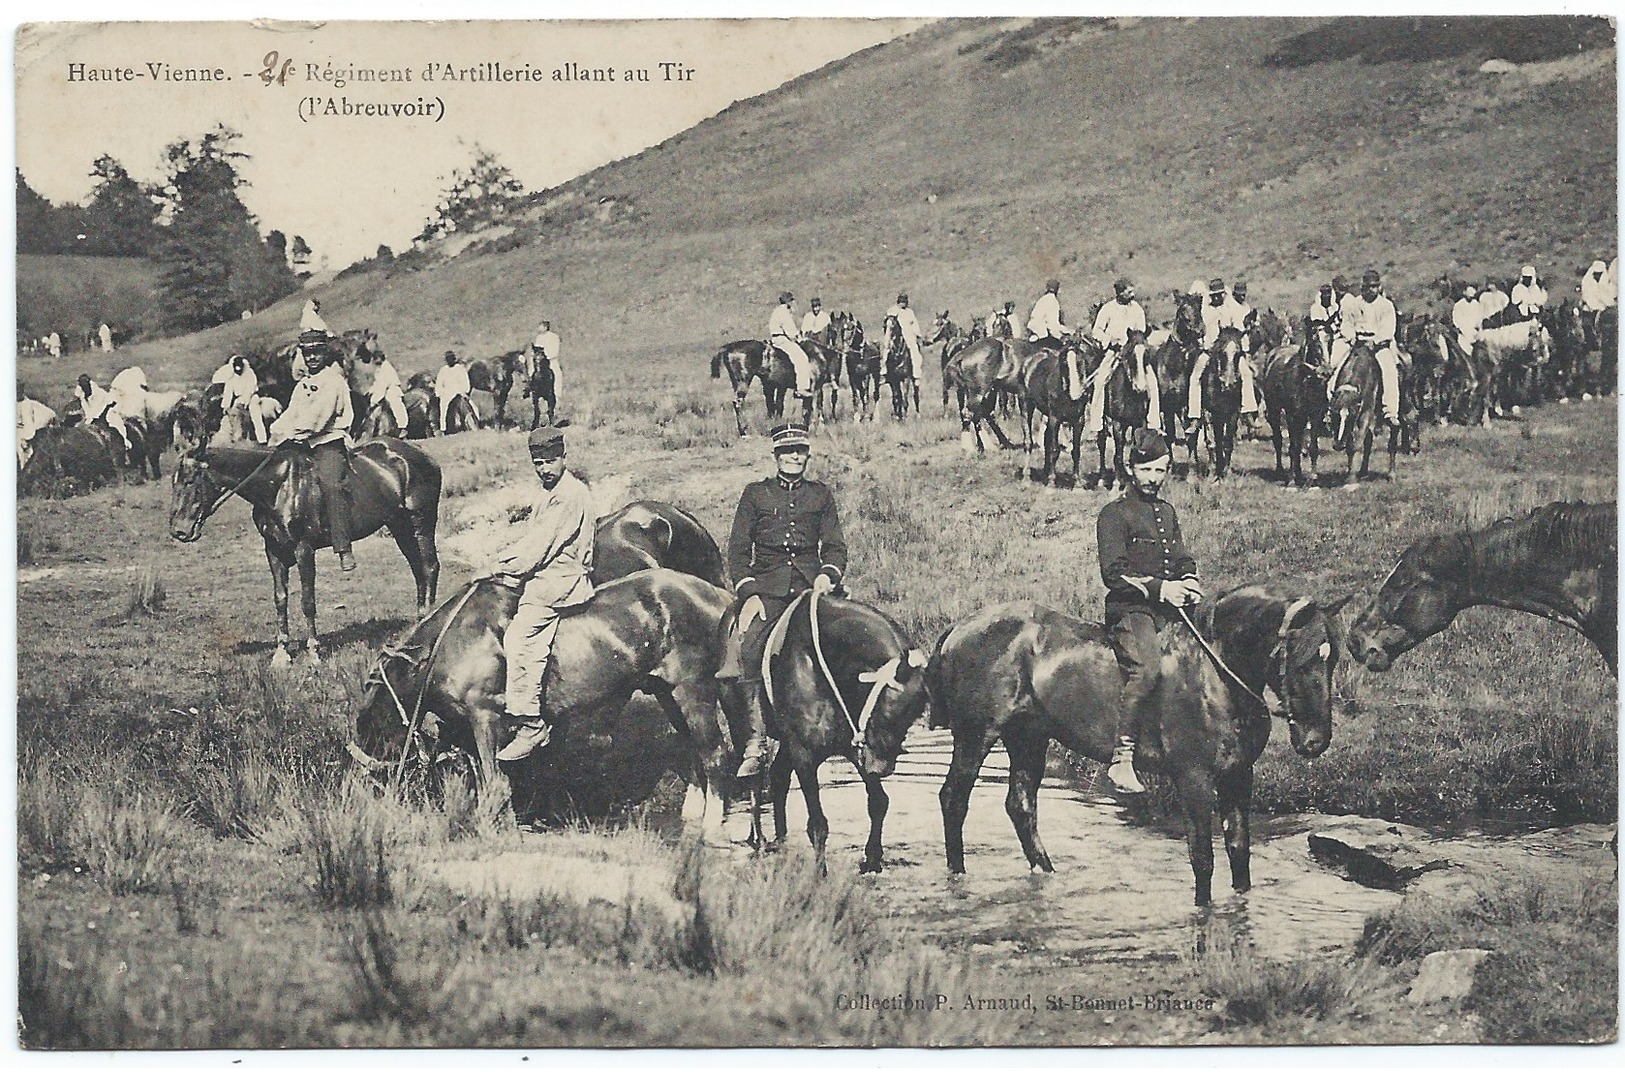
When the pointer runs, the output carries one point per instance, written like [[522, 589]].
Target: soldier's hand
[[823, 585]]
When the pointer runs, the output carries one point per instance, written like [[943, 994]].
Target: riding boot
[[533, 732], [759, 748], [1121, 772]]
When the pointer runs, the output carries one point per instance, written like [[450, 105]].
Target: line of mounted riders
[[68, 456], [1515, 360]]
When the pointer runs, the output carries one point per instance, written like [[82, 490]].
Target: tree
[[120, 219], [384, 254], [41, 226], [213, 261], [483, 192], [301, 256]]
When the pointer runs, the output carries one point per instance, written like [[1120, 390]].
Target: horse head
[[1305, 656], [382, 717], [195, 491], [1188, 317], [895, 697], [1226, 365], [1419, 597]]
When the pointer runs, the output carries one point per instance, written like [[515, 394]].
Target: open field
[[196, 869]]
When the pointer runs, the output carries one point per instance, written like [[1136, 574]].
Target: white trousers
[[799, 360], [1387, 363]]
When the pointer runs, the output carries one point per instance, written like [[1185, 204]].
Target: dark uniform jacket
[[783, 536], [1139, 537]]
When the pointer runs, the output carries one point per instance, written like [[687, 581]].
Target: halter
[[1278, 657], [881, 678]]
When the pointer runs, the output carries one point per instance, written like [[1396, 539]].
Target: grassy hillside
[[968, 161], [73, 295]]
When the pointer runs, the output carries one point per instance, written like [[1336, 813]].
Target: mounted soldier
[[816, 323], [1323, 308], [1369, 319], [909, 325], [1527, 293], [1219, 313], [786, 539], [783, 333], [545, 347], [385, 390], [320, 417], [1046, 322], [1149, 575], [1113, 323], [1467, 317], [97, 404], [553, 564], [1597, 293]]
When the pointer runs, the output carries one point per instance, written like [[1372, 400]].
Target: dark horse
[[862, 364], [1357, 411], [1293, 382], [501, 373], [1046, 383], [1173, 361], [647, 534], [1027, 675], [1127, 407], [656, 631], [1221, 403], [980, 372], [853, 692], [953, 340], [391, 484], [899, 369], [1560, 561], [749, 359]]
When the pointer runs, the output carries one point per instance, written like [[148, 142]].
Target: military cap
[[1215, 285], [1052, 284], [312, 338], [818, 301], [1324, 287], [1148, 446], [1240, 287], [451, 353], [547, 441], [790, 437], [902, 297], [1341, 282]]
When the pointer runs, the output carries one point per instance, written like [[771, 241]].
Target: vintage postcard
[[913, 532]]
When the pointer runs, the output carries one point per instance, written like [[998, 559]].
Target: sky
[[349, 183]]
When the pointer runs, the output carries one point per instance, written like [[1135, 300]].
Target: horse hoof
[[867, 868], [281, 660]]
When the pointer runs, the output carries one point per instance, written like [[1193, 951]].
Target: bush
[[1255, 990], [129, 843], [347, 834]]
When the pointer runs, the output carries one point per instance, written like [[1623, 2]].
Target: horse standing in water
[[842, 680], [1560, 561], [1026, 674], [440, 685], [391, 484]]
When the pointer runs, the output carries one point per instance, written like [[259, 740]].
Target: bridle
[[880, 679], [221, 497], [1278, 658]]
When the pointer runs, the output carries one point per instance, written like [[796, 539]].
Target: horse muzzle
[[186, 535]]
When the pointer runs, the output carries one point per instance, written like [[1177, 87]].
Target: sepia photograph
[[953, 531]]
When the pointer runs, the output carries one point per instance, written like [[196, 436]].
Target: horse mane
[[1567, 530]]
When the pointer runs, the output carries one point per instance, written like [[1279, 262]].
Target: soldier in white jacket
[[1219, 313], [783, 334], [31, 417], [909, 324], [1467, 317], [1370, 318], [1527, 293], [1045, 322], [1596, 294], [449, 382], [1115, 320], [386, 389]]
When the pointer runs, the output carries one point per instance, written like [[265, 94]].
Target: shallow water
[[1123, 892]]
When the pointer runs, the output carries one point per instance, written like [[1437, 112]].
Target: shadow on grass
[[372, 632]]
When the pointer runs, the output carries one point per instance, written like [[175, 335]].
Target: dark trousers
[[754, 641], [1134, 636], [332, 463]]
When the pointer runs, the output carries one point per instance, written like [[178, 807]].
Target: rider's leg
[[1388, 362], [1153, 390], [1194, 409], [1097, 391], [759, 747], [1134, 637], [1340, 354], [526, 644], [332, 469], [256, 417]]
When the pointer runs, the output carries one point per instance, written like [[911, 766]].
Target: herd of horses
[[847, 681], [74, 456], [993, 374]]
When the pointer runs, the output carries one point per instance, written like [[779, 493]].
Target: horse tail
[[716, 363]]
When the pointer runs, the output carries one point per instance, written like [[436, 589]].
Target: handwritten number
[[272, 72]]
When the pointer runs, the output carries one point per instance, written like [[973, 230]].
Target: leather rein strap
[[1292, 612]]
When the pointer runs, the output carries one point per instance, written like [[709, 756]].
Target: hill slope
[[968, 161]]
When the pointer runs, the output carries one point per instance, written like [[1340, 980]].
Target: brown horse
[[1357, 411], [1046, 388], [391, 484], [750, 359], [1026, 674], [1126, 408], [440, 685], [1293, 383], [845, 682], [862, 364], [647, 535], [899, 369], [953, 339], [979, 372], [1173, 361], [1560, 561], [1221, 404]]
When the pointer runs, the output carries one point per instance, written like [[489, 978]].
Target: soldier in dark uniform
[[1147, 572], [786, 538]]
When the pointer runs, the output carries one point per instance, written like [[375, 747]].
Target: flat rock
[[1446, 975], [1497, 67]]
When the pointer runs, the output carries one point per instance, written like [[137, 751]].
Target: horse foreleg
[[817, 822], [778, 777], [969, 752], [1196, 793], [1026, 751], [420, 556], [878, 804], [280, 565], [305, 559], [1275, 440], [1235, 790]]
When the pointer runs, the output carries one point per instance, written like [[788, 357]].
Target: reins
[[881, 678], [229, 492], [1285, 710], [410, 721]]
